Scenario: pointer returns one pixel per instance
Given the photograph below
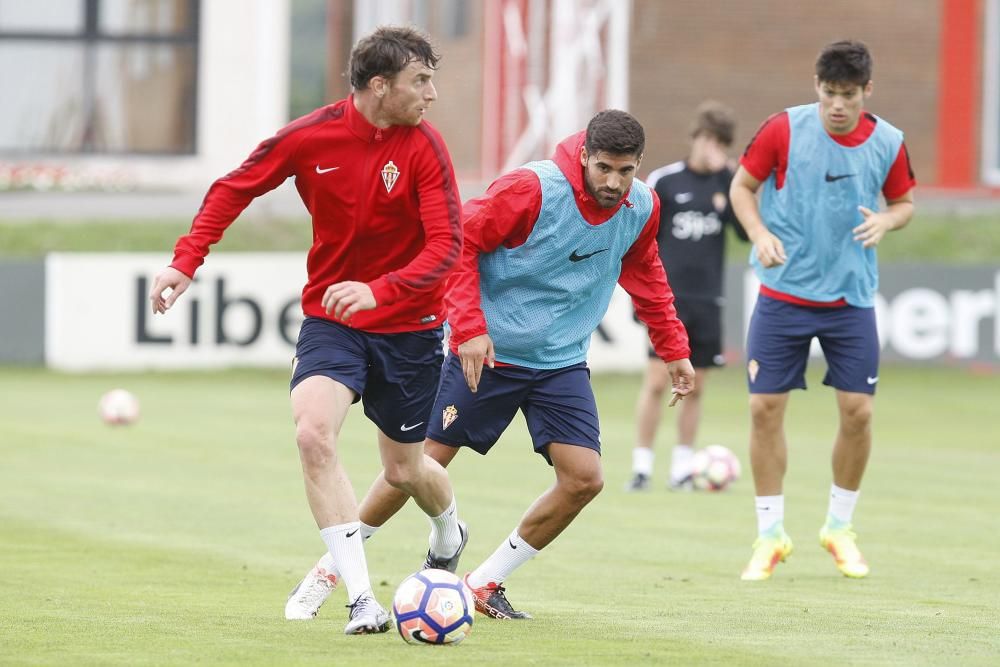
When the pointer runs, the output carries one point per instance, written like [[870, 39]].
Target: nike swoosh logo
[[830, 178], [351, 534], [574, 257], [873, 380], [512, 545], [405, 428], [323, 171]]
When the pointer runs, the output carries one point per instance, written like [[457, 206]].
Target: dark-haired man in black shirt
[[694, 200]]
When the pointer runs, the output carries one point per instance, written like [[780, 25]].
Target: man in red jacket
[[387, 231]]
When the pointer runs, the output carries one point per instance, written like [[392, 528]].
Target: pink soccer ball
[[714, 468]]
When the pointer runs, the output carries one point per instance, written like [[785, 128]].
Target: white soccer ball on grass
[[118, 407]]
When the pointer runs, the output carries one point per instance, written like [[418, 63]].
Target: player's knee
[[657, 386], [584, 487], [316, 444], [595, 486], [400, 475], [765, 412], [694, 394], [590, 487], [856, 416]]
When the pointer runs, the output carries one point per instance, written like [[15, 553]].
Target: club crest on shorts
[[752, 369], [449, 415], [390, 173]]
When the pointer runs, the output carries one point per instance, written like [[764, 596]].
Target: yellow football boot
[[840, 542], [768, 551]]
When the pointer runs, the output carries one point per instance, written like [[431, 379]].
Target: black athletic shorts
[[703, 320]]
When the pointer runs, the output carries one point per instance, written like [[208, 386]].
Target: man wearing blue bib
[[820, 168]]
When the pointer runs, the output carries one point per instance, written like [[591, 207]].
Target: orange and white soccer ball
[[433, 607], [118, 407], [714, 468]]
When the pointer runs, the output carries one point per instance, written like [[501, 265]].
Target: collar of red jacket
[[361, 128], [567, 158]]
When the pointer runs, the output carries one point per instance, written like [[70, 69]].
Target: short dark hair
[[846, 61], [716, 120], [387, 52], [615, 132]]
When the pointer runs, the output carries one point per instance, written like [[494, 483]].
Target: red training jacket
[[384, 204], [506, 214]]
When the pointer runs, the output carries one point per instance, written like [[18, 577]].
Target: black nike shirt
[[694, 210]]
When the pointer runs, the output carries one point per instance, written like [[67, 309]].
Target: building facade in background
[[149, 94], [171, 93]]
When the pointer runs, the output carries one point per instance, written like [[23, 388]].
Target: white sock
[[642, 461], [680, 462], [510, 555], [366, 532], [347, 549], [770, 513], [445, 537], [842, 503]]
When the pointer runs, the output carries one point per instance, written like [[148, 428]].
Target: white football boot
[[305, 599], [367, 617]]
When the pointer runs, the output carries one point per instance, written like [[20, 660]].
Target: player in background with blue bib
[[543, 250], [820, 168]]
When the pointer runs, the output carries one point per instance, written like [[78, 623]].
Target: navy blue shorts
[[778, 346], [395, 375], [558, 406]]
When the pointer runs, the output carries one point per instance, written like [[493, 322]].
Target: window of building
[[453, 18], [991, 94], [98, 76], [309, 56]]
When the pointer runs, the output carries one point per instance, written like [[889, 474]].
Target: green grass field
[[176, 540], [930, 237]]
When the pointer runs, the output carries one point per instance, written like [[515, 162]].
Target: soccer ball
[[433, 607], [118, 407], [714, 468]]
